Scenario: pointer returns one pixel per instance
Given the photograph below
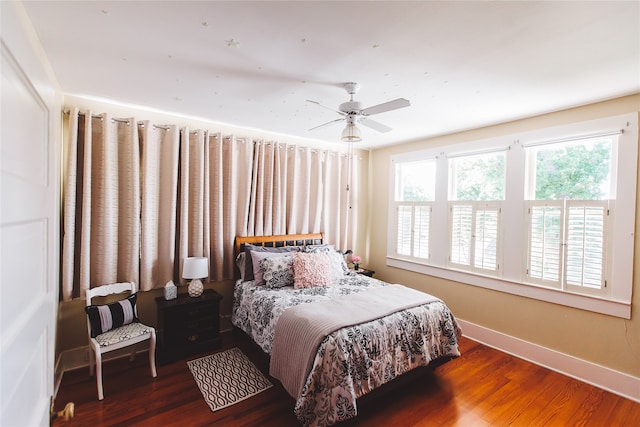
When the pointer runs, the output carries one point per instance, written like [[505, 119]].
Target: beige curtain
[[339, 211], [159, 179], [305, 196], [302, 190], [101, 235], [267, 210], [230, 165], [214, 198], [139, 198], [193, 213]]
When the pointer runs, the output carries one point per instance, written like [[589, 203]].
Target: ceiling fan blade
[[386, 106], [374, 125], [328, 108], [327, 124]]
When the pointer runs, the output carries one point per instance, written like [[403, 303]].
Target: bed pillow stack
[[278, 267]]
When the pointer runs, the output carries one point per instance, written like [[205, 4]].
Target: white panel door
[[28, 235]]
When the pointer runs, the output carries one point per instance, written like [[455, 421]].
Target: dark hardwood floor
[[484, 387]]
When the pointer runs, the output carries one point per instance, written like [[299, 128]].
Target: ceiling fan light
[[351, 133]]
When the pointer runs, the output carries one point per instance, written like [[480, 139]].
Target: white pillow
[[336, 260], [240, 263]]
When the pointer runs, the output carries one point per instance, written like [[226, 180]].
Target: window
[[413, 197], [476, 194], [580, 169], [547, 214], [477, 176], [570, 184]]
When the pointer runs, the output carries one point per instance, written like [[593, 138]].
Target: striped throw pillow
[[104, 318]]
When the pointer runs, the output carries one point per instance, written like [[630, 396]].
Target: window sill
[[583, 302]]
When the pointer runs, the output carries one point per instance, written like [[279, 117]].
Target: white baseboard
[[77, 358], [616, 382]]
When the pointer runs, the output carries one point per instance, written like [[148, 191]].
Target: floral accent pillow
[[311, 270], [256, 258], [249, 249], [277, 271], [336, 259]]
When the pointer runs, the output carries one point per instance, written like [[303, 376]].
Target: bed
[[330, 345]]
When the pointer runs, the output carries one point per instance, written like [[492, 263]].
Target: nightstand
[[187, 325], [365, 272]]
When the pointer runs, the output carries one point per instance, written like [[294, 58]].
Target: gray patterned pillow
[[277, 271], [336, 260]]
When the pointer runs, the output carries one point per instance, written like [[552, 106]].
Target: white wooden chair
[[105, 317]]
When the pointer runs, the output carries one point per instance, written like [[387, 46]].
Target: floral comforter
[[354, 360]]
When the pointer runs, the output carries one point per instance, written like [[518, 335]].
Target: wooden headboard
[[279, 241]]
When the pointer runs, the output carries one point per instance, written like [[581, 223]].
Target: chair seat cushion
[[123, 333]]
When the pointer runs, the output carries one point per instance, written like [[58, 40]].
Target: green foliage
[[480, 177], [573, 172], [414, 193]]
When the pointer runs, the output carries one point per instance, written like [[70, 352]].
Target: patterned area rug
[[227, 377]]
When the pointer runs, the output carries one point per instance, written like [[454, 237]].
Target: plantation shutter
[[545, 242], [586, 229], [486, 238], [461, 227], [413, 222], [567, 243], [403, 243], [422, 222]]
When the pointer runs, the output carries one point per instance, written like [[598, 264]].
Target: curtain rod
[[165, 127], [574, 138], [116, 119], [212, 134], [477, 152], [93, 116]]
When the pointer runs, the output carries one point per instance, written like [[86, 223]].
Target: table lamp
[[195, 268]]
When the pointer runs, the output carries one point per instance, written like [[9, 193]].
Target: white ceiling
[[254, 64]]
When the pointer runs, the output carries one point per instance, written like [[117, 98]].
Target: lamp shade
[[351, 133], [195, 268]]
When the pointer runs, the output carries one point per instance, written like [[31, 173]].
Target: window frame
[[398, 204], [616, 301]]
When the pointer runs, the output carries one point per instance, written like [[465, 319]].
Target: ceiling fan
[[352, 112]]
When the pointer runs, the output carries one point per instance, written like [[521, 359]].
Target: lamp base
[[195, 288]]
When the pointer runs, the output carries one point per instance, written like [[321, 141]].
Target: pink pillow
[[310, 270]]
